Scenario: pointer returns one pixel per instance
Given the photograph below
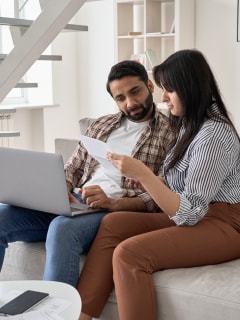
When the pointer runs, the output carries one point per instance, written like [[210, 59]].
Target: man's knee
[[58, 229]]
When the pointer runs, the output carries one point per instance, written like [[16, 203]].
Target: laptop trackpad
[[83, 208]]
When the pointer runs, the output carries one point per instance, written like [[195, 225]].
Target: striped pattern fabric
[[209, 172]]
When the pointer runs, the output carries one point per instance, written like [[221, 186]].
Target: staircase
[[39, 34]]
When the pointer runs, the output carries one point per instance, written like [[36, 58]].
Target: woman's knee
[[112, 222], [124, 252]]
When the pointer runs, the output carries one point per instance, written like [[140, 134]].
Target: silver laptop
[[36, 180]]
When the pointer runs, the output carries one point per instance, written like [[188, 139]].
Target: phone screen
[[23, 302]]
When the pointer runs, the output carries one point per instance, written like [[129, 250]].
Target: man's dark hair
[[127, 68]]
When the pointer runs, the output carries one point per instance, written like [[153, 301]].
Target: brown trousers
[[130, 246]]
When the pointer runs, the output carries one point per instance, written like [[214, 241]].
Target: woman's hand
[[128, 166]]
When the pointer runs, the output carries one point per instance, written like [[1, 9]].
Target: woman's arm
[[166, 199], [196, 180]]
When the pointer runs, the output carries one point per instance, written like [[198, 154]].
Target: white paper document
[[98, 150], [36, 315]]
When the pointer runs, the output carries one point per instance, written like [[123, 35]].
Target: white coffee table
[[55, 289]]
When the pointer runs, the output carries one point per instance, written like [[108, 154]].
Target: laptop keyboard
[[76, 206]]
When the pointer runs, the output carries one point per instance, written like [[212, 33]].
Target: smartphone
[[23, 302]]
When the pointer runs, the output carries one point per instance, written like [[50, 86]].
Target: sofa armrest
[[65, 147]]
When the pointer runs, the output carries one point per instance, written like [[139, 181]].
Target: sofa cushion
[[23, 261], [84, 124], [210, 292], [65, 147]]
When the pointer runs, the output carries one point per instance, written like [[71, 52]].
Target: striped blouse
[[208, 172]]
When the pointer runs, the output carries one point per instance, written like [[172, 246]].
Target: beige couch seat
[[203, 293]]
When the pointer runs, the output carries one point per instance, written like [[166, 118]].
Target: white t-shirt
[[122, 141]]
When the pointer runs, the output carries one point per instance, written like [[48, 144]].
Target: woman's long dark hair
[[188, 74]]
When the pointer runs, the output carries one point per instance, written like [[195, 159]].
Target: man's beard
[[146, 108]]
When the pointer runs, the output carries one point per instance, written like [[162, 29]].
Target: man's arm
[[70, 195], [127, 204], [69, 187], [94, 196], [74, 167]]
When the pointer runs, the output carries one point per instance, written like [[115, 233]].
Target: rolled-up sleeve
[[187, 213]]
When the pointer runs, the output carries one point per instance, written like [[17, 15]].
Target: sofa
[[202, 293]]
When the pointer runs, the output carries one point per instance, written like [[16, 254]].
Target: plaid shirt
[[150, 148]]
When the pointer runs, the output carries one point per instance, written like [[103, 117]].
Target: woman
[[199, 196]]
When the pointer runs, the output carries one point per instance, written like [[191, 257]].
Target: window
[[40, 72], [16, 95]]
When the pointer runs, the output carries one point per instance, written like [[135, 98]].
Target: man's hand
[[70, 195], [94, 196], [72, 198]]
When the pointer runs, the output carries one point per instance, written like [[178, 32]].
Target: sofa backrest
[[84, 123]]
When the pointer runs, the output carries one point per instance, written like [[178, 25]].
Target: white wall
[[61, 121], [216, 37], [96, 56], [79, 81]]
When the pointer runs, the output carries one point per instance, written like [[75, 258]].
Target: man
[[139, 130]]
